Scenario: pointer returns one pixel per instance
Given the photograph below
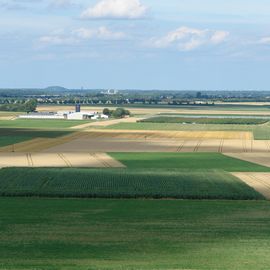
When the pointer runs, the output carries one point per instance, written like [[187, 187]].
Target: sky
[[135, 44]]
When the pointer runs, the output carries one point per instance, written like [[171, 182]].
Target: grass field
[[54, 234], [261, 132], [117, 183], [188, 161], [41, 124], [14, 135], [205, 120]]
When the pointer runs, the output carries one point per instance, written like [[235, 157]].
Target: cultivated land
[[240, 109], [130, 183], [40, 124], [133, 234], [181, 176], [10, 136], [187, 161], [260, 132], [77, 160], [205, 120], [227, 229]]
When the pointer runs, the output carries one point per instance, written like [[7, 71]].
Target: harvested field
[[78, 160], [99, 144], [258, 158], [259, 181], [260, 132], [146, 134], [112, 145], [40, 144]]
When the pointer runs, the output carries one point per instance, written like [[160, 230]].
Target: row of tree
[[28, 106]]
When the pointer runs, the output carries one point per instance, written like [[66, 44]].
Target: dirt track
[[258, 181], [79, 160]]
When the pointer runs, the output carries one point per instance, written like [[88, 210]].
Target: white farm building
[[65, 115]]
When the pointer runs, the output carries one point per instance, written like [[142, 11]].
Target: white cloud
[[186, 39], [57, 40], [80, 34], [264, 41], [116, 9], [99, 33]]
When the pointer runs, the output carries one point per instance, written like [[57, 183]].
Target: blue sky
[[135, 44]]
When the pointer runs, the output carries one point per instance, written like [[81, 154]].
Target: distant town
[[27, 99]]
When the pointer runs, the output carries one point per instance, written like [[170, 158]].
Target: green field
[[127, 183], [188, 161], [10, 136], [205, 120], [54, 234], [41, 124], [261, 132]]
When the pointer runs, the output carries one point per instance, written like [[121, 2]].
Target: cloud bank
[[80, 34]]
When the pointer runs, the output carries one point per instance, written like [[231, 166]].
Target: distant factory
[[65, 115]]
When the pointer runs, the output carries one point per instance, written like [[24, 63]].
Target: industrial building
[[65, 115]]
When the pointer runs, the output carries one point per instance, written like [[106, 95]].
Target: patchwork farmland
[[116, 194]]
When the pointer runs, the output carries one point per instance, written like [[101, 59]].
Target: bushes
[[118, 113]]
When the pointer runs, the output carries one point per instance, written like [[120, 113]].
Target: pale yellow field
[[144, 141], [78, 160], [153, 134]]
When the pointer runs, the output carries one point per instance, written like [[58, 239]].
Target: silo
[[78, 108]]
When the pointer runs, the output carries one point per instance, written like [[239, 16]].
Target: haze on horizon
[[135, 44]]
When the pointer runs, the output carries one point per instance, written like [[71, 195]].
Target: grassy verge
[[115, 183], [189, 161], [53, 234]]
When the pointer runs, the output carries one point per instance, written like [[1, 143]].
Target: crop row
[[206, 120], [119, 183]]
